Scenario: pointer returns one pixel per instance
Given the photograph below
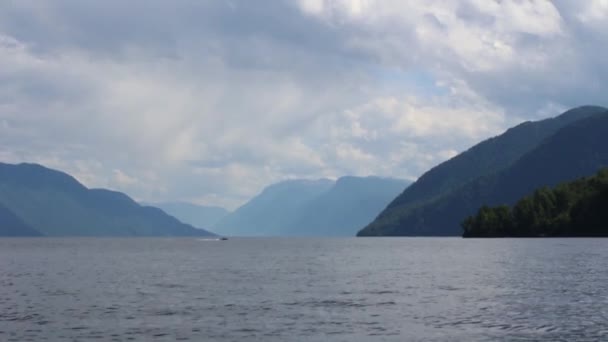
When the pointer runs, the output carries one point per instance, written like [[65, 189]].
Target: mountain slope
[[312, 208], [577, 150], [11, 225], [485, 158], [55, 204], [351, 203], [271, 211], [197, 215]]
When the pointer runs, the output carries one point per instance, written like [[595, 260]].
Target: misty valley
[[279, 277], [498, 172], [303, 170]]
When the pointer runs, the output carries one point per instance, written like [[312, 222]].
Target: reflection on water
[[414, 289]]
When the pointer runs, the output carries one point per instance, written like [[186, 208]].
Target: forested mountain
[[312, 208], [504, 169], [53, 203], [197, 215], [577, 208]]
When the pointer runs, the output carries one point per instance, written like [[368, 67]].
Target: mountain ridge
[[272, 208], [54, 203], [329, 208], [440, 216]]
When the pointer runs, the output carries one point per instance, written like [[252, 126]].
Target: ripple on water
[[334, 290]]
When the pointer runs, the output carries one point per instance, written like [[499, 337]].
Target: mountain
[[574, 150], [312, 208], [485, 158], [197, 215], [53, 203], [576, 208], [348, 205], [272, 210], [12, 225]]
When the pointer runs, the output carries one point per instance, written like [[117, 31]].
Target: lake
[[376, 289]]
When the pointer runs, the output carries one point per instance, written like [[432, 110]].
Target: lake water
[[401, 289]]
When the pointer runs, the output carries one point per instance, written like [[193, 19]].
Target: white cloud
[[314, 7], [210, 101], [123, 180], [594, 11]]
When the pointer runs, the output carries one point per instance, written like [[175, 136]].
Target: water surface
[[399, 289]]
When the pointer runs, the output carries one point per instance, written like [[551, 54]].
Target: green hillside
[[577, 208], [571, 146]]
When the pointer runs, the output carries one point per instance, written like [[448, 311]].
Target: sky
[[209, 101]]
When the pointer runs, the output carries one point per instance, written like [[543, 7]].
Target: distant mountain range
[[269, 213], [197, 215], [312, 207], [37, 201], [498, 171]]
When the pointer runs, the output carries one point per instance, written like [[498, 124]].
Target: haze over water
[[414, 289]]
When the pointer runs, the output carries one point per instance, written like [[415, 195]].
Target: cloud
[[210, 101], [123, 179]]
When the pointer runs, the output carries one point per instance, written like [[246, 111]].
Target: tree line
[[577, 208]]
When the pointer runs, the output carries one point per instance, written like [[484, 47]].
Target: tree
[[577, 208]]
